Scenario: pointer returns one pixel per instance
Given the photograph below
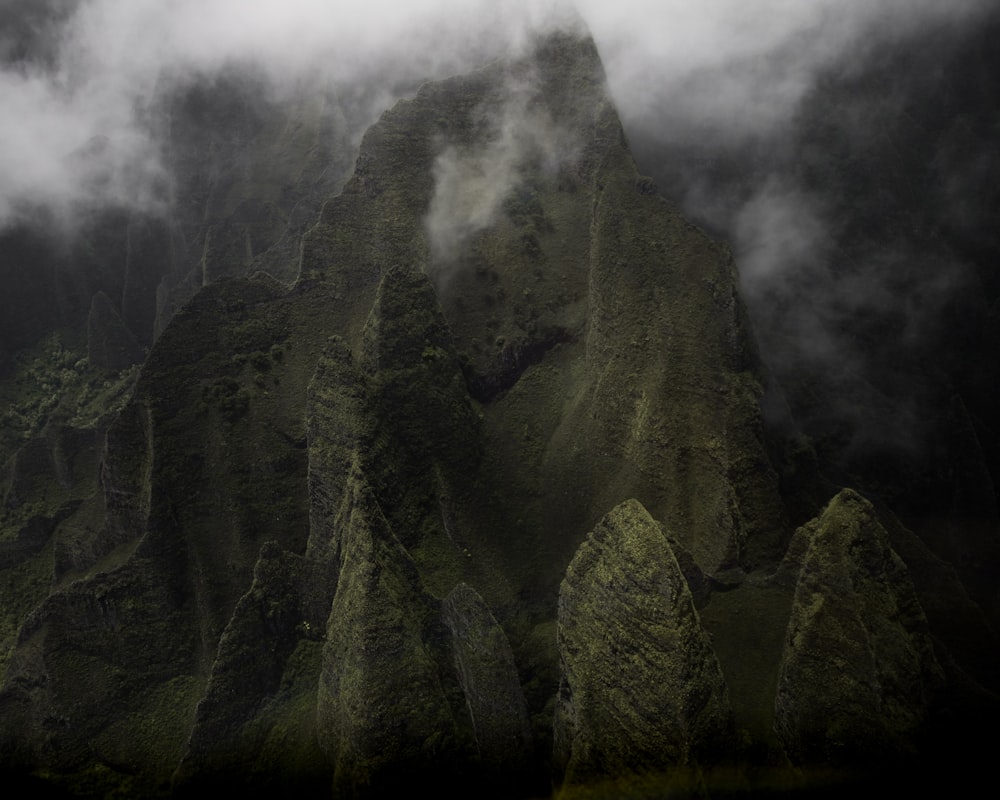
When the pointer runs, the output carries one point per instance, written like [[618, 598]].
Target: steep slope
[[865, 230], [859, 672], [642, 695], [325, 540]]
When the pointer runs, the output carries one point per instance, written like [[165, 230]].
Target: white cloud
[[471, 185], [715, 62], [744, 65]]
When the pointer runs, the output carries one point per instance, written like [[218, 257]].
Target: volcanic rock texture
[[460, 482]]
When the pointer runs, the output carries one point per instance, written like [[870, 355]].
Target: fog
[[470, 185], [704, 82], [77, 75]]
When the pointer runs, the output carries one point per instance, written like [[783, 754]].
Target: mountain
[[462, 471]]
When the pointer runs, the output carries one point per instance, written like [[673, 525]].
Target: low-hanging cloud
[[732, 69], [471, 184], [83, 84], [75, 128], [79, 81]]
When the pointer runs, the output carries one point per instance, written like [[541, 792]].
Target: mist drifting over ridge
[[291, 341], [470, 185], [76, 73], [82, 86]]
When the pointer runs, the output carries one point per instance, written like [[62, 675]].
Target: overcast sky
[[98, 59]]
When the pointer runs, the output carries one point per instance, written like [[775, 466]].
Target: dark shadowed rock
[[488, 676], [859, 672], [256, 584], [384, 717], [253, 679], [110, 344]]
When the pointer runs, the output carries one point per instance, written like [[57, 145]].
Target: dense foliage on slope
[[466, 485]]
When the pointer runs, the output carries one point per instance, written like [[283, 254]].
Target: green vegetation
[[53, 381], [227, 396], [418, 519]]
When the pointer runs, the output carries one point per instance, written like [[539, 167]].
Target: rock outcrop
[[381, 725], [110, 345], [349, 526], [859, 672], [456, 389], [484, 663], [642, 692]]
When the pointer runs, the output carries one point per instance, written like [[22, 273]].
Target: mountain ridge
[[315, 482]]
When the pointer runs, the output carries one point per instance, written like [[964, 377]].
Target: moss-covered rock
[[384, 726], [250, 683], [84, 684], [486, 671], [642, 692], [339, 427], [859, 672]]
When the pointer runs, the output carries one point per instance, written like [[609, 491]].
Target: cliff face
[[447, 509], [642, 691], [248, 172], [859, 671]]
